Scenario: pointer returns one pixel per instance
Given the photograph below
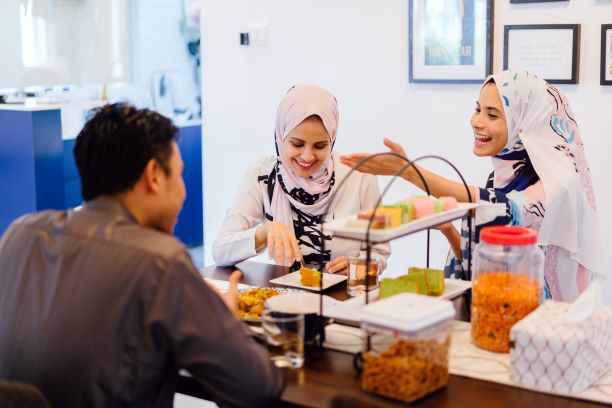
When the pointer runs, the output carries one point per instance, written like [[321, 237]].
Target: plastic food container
[[506, 284], [410, 340]]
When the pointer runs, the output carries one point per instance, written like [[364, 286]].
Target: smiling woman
[[540, 176], [281, 203]]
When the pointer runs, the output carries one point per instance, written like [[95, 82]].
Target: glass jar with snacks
[[507, 283], [410, 340]]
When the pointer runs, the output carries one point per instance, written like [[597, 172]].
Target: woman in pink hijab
[[282, 201]]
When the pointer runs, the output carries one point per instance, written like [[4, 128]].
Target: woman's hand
[[282, 244], [338, 265], [380, 165]]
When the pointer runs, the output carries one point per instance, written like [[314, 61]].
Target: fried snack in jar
[[507, 283], [499, 300], [410, 339], [408, 370]]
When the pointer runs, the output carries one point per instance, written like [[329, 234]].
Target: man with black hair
[[101, 305]]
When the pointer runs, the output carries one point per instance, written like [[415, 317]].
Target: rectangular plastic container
[[410, 341]]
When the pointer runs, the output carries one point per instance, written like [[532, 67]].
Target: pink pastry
[[423, 207], [450, 203]]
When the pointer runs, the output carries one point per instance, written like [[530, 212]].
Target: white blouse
[[236, 240]]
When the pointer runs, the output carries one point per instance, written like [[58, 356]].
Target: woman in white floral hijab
[[540, 179]]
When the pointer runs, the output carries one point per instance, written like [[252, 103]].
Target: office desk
[[331, 381]]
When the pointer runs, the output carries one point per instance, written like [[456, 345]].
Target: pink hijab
[[298, 104]]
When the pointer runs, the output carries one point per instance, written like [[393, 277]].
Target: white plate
[[340, 228], [293, 279], [223, 286], [349, 311]]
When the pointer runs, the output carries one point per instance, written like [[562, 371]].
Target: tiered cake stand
[[371, 237]]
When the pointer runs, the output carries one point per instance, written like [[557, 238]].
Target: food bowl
[[251, 301]]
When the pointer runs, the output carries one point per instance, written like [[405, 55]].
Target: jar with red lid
[[507, 283]]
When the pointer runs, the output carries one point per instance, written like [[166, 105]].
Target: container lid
[[298, 302], [505, 235], [408, 312]]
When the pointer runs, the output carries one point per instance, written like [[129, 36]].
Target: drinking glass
[[284, 334], [356, 283]]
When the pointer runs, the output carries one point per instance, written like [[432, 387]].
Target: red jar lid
[[504, 235]]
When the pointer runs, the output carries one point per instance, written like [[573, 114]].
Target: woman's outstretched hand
[[380, 165]]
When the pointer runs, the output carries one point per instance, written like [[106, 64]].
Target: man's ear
[[152, 176]]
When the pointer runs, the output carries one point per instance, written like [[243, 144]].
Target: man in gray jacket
[[100, 306]]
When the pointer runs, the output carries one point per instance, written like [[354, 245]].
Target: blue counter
[[31, 171], [37, 170]]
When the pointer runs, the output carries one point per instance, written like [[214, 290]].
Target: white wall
[[159, 45], [358, 49], [10, 43], [71, 42]]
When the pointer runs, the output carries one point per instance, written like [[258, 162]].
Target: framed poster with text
[[535, 1], [606, 54], [552, 51], [450, 41]]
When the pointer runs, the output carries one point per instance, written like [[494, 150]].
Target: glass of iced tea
[[356, 283]]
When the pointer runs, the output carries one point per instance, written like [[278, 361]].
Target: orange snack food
[[408, 370], [499, 300], [251, 302], [310, 277]]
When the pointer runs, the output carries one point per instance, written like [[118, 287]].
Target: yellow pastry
[[310, 277]]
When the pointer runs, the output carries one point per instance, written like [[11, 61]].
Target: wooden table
[[331, 381]]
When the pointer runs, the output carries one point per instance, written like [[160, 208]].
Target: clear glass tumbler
[[284, 334], [356, 282]]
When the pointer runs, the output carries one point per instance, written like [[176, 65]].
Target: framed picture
[[535, 1], [606, 54], [550, 50], [450, 41]]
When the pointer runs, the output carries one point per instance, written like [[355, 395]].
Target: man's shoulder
[[47, 220], [149, 240], [97, 232], [40, 218], [129, 237]]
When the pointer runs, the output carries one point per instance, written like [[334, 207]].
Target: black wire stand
[[467, 274]]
